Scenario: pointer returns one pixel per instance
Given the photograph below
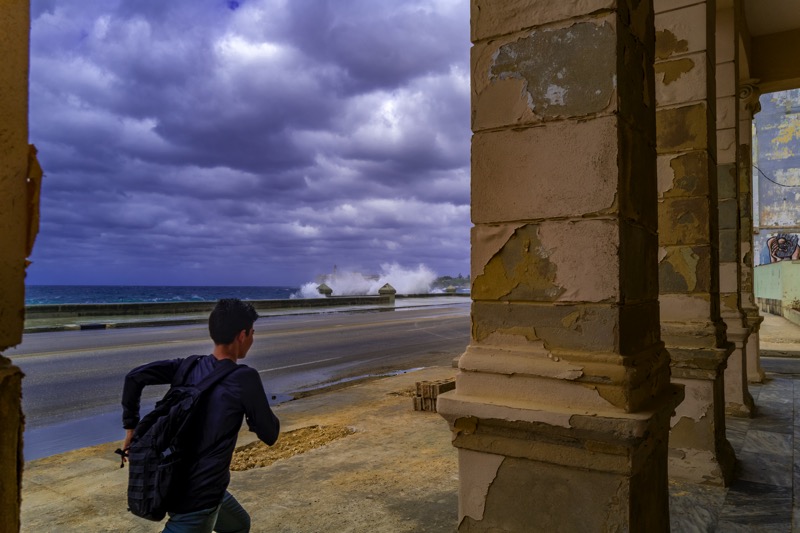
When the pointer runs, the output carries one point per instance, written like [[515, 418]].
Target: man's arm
[[156, 373], [260, 418]]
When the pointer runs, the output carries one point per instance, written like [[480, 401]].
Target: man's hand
[[123, 452]]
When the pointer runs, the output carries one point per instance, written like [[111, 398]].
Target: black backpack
[[155, 454]]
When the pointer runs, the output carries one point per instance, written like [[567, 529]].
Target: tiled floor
[[762, 497]]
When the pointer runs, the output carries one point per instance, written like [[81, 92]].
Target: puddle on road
[[300, 393], [100, 428]]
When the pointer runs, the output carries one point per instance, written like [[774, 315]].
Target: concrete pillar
[[688, 238], [324, 290], [562, 404], [738, 401], [17, 226], [748, 106], [388, 290]]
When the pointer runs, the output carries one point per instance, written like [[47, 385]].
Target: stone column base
[[535, 467], [755, 374], [738, 400], [699, 451]]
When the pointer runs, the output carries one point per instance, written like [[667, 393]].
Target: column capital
[[749, 92]]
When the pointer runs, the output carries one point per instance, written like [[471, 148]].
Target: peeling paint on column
[[673, 70], [486, 242], [682, 128], [482, 472], [520, 270], [678, 273], [687, 176], [668, 44], [683, 221], [567, 72]]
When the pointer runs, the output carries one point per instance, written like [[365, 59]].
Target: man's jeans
[[227, 517]]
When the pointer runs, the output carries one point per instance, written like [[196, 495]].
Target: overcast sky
[[253, 142]]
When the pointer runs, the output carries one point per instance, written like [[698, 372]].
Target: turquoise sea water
[[97, 294]]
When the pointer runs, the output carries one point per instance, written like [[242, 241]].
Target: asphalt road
[[73, 379]]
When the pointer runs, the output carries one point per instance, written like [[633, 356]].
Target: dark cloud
[[253, 142]]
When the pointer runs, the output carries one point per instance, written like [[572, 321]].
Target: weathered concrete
[[562, 402], [748, 105], [689, 265], [738, 401]]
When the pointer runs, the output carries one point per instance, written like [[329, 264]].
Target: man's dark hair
[[229, 317]]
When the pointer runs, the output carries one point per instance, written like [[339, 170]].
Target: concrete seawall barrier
[[183, 308]]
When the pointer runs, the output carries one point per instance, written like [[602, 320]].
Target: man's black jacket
[[239, 395]]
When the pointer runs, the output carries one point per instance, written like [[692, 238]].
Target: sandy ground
[[355, 459]]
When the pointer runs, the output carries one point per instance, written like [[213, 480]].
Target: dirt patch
[[257, 454], [409, 393]]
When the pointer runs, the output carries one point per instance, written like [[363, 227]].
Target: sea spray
[[348, 283]]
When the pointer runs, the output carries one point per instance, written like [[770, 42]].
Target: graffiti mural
[[781, 247]]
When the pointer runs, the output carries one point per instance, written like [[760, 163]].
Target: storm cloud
[[249, 142]]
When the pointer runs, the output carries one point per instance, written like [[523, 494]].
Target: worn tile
[[736, 430], [694, 508], [758, 504], [725, 526], [768, 442], [765, 468], [783, 424]]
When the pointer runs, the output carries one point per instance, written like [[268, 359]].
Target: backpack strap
[[184, 369], [217, 375]]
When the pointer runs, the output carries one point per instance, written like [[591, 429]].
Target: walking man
[[203, 503]]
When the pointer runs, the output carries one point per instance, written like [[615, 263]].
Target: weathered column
[[15, 235], [748, 106], [688, 237], [738, 401], [563, 398]]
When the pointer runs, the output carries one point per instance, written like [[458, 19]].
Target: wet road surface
[[73, 379]]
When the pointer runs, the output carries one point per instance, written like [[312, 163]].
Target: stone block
[[726, 80], [729, 306], [728, 246], [728, 277], [682, 31], [563, 261], [725, 37], [726, 146], [569, 327], [639, 327], [636, 83], [546, 74], [683, 175], [727, 112], [636, 193], [685, 269], [726, 181], [681, 80], [729, 215], [638, 251], [684, 221], [523, 175], [695, 307], [491, 18], [680, 129]]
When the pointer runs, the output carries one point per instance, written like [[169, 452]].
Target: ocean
[[100, 294]]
